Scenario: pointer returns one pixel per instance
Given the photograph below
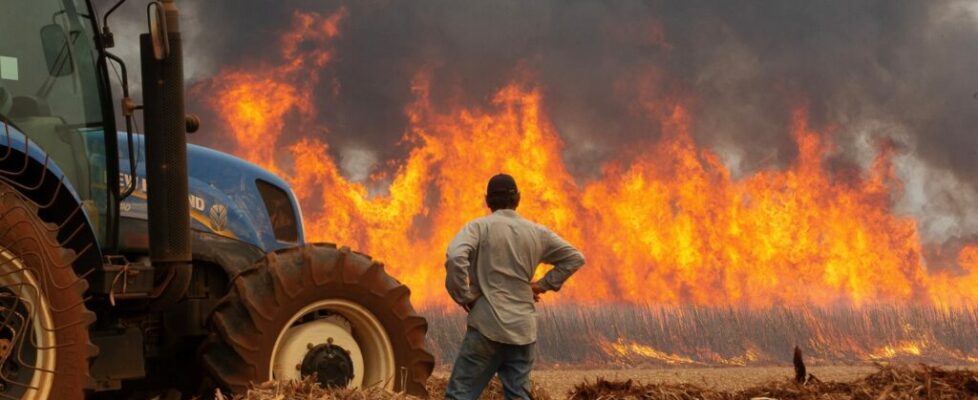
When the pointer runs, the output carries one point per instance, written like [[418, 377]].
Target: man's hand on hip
[[468, 307], [537, 290]]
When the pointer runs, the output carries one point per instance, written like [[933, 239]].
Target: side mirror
[[57, 50], [158, 31]]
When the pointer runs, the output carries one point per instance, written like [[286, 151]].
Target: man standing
[[490, 266]]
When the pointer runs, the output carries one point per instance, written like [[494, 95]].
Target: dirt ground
[[883, 381], [558, 382]]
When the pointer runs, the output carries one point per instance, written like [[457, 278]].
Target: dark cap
[[501, 183]]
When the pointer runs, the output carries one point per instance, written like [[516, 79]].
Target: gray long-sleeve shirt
[[491, 262]]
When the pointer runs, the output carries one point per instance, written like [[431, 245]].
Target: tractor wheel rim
[[34, 340], [369, 333]]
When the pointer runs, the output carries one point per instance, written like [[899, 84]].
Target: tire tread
[[242, 323]]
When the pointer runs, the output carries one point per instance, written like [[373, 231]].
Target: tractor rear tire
[[44, 342], [279, 294]]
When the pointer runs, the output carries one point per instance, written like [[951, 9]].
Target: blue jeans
[[480, 358]]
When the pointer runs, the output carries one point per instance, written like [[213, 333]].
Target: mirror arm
[[128, 106], [108, 39]]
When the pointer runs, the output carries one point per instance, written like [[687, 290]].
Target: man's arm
[[457, 262], [565, 259]]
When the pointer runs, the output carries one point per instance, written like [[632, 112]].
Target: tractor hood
[[229, 197]]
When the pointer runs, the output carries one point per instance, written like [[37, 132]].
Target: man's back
[[489, 272], [500, 254]]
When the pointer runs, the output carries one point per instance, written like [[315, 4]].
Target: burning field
[[720, 228], [629, 336], [664, 223]]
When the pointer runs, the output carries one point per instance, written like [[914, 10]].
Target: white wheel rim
[[15, 276], [368, 339], [298, 340]]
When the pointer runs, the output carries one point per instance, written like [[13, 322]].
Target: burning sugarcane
[[642, 336]]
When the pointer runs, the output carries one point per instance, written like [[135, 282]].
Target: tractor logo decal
[[219, 217], [197, 202]]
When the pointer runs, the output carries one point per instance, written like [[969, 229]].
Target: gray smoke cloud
[[867, 70]]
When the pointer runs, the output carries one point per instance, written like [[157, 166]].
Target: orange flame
[[625, 351], [256, 104], [669, 226]]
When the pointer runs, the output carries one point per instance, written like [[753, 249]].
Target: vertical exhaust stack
[[166, 159]]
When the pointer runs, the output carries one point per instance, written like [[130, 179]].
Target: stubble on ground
[[559, 382]]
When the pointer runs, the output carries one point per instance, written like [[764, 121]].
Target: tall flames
[[664, 225]]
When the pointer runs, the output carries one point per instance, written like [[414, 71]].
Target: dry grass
[[436, 389], [635, 336], [309, 390], [886, 383], [717, 378]]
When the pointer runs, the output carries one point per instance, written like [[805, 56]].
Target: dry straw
[[308, 390], [889, 382]]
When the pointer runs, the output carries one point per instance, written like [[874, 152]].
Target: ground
[[561, 381], [897, 381]]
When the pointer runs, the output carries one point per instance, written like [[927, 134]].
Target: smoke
[[868, 72]]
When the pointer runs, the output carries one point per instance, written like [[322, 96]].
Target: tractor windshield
[[49, 90]]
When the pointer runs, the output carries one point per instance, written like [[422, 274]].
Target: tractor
[[138, 265]]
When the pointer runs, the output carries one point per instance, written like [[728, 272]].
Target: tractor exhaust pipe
[[166, 153]]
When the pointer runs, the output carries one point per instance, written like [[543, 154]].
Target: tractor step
[[121, 279], [120, 357]]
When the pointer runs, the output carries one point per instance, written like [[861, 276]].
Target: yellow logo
[[219, 217]]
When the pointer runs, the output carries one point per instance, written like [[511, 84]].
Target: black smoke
[[903, 70]]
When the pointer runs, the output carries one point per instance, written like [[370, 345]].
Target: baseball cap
[[501, 183]]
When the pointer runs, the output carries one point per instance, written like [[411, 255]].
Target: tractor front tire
[[44, 342], [291, 293]]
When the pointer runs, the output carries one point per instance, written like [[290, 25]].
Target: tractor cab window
[[280, 212], [49, 90]]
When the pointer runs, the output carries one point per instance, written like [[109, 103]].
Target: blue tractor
[[138, 265]]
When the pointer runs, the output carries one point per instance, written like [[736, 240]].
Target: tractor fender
[[26, 167]]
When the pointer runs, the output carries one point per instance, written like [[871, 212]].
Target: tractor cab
[[52, 93]]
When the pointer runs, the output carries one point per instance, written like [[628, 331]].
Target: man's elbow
[[578, 260], [454, 261]]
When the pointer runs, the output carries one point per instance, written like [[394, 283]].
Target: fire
[[668, 225], [905, 348], [257, 103], [749, 356], [628, 352]]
